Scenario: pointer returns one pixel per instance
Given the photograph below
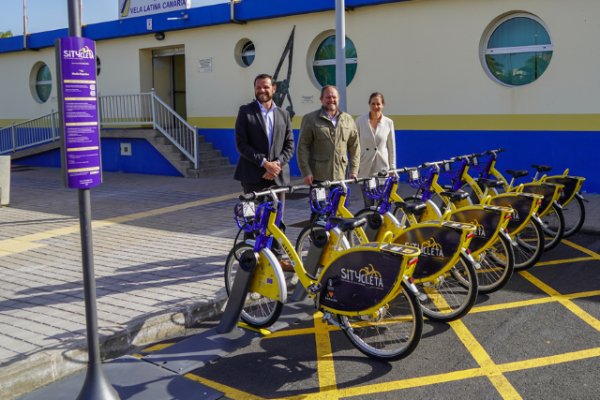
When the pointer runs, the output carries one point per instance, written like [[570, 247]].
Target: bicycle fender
[[268, 278]]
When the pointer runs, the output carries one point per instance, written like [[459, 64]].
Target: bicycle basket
[[318, 199], [416, 179], [374, 188], [245, 214]]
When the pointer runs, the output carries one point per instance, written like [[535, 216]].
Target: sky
[[46, 15]]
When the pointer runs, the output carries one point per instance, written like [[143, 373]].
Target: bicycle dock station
[[538, 337]]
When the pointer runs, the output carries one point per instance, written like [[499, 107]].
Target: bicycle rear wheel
[[497, 264], [553, 225], [452, 295], [259, 311], [574, 215], [529, 245], [392, 333]]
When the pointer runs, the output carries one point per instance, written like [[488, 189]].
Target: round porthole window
[[323, 65], [40, 82], [517, 49], [245, 52]]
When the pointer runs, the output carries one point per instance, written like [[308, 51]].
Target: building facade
[[459, 76]]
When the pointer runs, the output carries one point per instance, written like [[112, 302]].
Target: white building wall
[[424, 55]]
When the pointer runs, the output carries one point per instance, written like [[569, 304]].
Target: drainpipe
[[24, 24], [232, 19]]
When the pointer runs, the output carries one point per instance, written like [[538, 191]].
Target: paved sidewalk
[[159, 248]]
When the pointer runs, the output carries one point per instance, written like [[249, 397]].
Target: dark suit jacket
[[253, 145]]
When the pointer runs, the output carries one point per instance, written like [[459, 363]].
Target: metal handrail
[[128, 110], [30, 133]]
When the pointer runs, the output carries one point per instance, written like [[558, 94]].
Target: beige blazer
[[377, 147]]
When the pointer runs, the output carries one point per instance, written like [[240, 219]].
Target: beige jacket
[[324, 151], [377, 146]]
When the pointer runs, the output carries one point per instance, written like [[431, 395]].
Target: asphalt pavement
[[159, 245]]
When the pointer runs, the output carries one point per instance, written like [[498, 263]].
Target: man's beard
[[263, 97]]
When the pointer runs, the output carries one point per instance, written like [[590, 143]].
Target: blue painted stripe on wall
[[560, 149], [224, 140], [247, 10], [145, 159]]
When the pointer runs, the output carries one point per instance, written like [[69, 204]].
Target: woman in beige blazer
[[377, 140]]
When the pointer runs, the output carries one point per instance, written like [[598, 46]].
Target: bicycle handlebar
[[273, 191]]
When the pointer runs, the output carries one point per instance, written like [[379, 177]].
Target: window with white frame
[[517, 49], [323, 65]]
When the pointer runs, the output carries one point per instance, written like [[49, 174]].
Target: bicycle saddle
[[493, 183], [347, 224], [455, 196], [542, 168], [517, 173], [410, 208]]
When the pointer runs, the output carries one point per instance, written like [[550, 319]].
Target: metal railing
[[31, 133], [125, 111]]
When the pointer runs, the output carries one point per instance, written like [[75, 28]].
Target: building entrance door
[[168, 77]]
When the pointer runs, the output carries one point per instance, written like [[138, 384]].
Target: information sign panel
[[78, 96]]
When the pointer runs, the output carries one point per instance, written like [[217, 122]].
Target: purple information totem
[[78, 96]]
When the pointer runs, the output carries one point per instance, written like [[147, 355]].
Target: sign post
[[80, 149]]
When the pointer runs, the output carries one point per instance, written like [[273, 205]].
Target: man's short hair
[[264, 76], [324, 88]]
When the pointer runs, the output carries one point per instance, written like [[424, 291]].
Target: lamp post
[[340, 51]]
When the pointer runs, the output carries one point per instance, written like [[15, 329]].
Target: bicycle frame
[[434, 239], [372, 267]]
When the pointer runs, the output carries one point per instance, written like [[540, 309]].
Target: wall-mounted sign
[[137, 8], [205, 65], [78, 94]]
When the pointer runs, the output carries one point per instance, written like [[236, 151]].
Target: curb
[[48, 366]]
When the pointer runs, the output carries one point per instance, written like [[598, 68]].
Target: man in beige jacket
[[328, 141]]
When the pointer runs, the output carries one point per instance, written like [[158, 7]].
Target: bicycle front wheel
[[553, 225], [390, 334], [452, 294], [258, 311], [574, 215], [529, 245], [497, 264]]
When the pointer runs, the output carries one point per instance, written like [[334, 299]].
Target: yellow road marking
[[550, 360], [290, 333], [500, 382], [564, 261], [567, 303], [514, 304], [581, 248], [25, 242], [158, 347], [491, 370], [325, 364], [10, 246], [525, 303], [230, 392]]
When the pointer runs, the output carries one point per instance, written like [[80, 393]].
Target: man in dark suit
[[264, 139]]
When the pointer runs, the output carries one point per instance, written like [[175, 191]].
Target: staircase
[[137, 116], [211, 161]]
